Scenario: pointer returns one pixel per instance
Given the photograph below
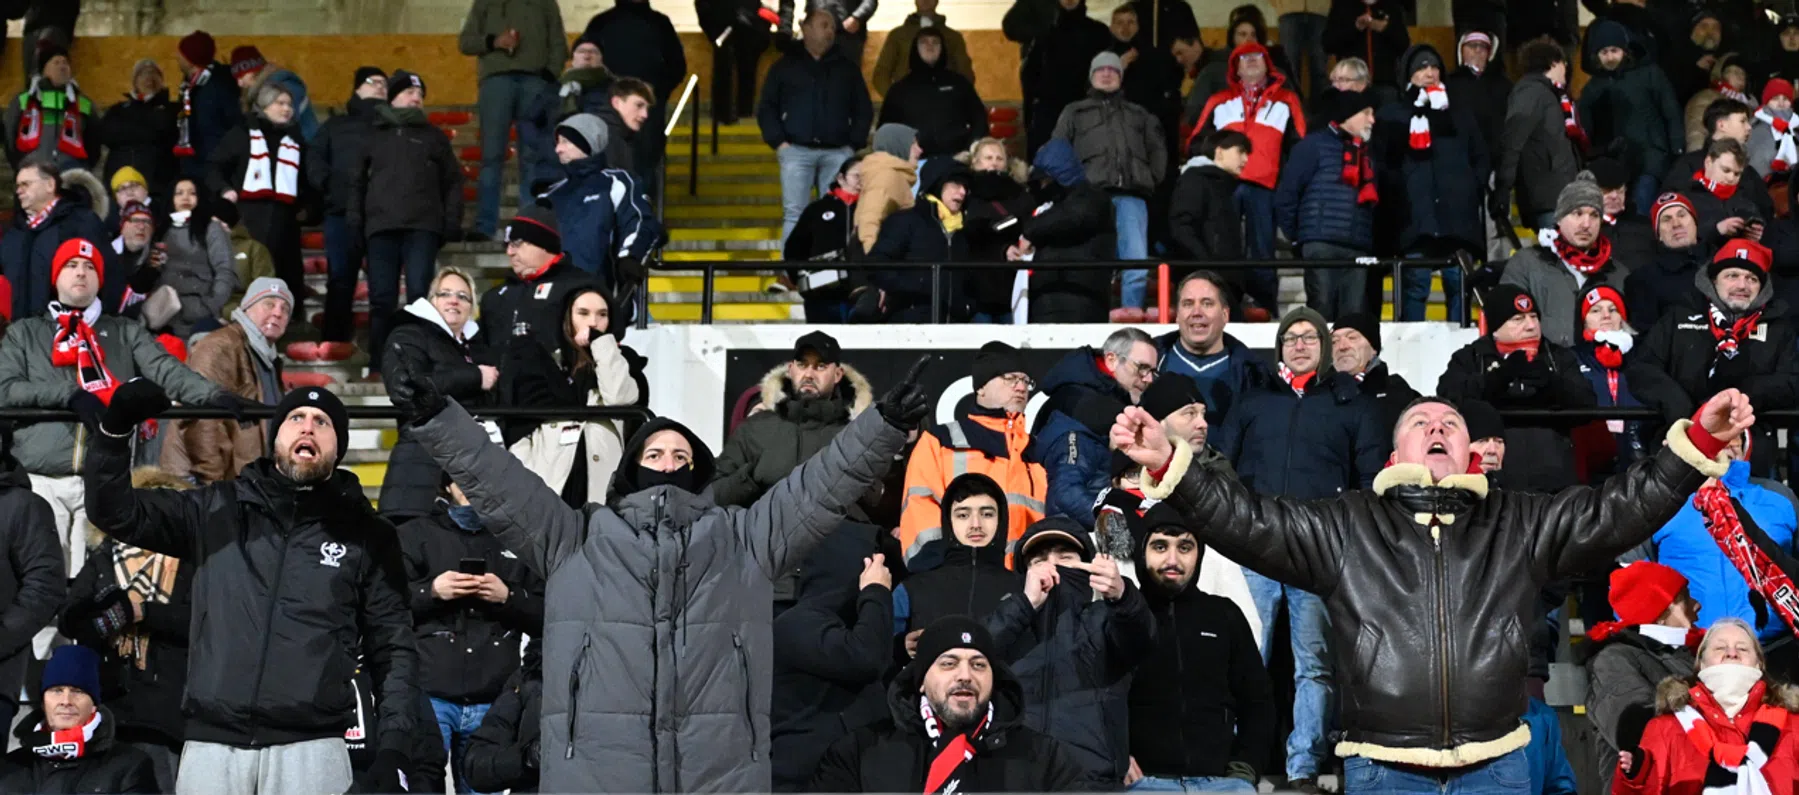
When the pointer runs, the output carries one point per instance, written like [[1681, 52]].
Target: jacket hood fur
[[1671, 695], [99, 199], [861, 393]]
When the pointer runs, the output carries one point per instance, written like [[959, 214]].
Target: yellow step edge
[[736, 255], [732, 169], [727, 233], [760, 212], [721, 284], [690, 312], [678, 195]]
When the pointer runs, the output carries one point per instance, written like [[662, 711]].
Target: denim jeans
[[1191, 784], [503, 100], [1416, 291], [802, 169], [1334, 292], [1507, 774], [1256, 203], [344, 252], [1308, 747], [1131, 216], [456, 723], [1302, 36], [1643, 193], [992, 318], [410, 250]]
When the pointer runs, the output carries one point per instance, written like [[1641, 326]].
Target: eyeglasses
[[456, 294], [1018, 379], [1143, 369], [1296, 340]]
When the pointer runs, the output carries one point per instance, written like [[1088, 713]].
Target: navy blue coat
[[25, 255], [641, 42], [216, 111], [604, 215], [1071, 432], [1313, 204], [1312, 447], [820, 102], [1436, 193], [1246, 370], [1630, 441]]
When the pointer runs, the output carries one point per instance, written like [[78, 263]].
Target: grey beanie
[[1584, 191], [586, 131], [896, 139], [1303, 314], [1103, 60]]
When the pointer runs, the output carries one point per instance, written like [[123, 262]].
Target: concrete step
[[761, 211], [679, 199], [752, 255], [763, 167], [771, 234], [704, 223], [700, 244]]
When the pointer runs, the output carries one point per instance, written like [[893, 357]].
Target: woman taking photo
[[437, 338], [258, 166]]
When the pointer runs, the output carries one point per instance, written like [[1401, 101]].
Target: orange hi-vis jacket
[[995, 444]]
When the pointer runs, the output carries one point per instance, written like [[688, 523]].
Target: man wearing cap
[[1629, 105], [1772, 151], [584, 87], [139, 132], [1086, 389], [1733, 333], [297, 581], [127, 186], [334, 160], [608, 225], [208, 107], [958, 726], [814, 112], [1539, 149], [1571, 257], [531, 302], [252, 71], [1125, 153], [69, 743], [74, 357], [805, 403], [1355, 346], [1652, 640], [1664, 282], [889, 174], [242, 358], [1326, 201], [52, 115], [991, 438], [932, 230]]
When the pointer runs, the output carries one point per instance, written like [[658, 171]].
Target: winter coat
[[1662, 284], [1685, 545], [1380, 50], [252, 261], [1627, 445], [1076, 456], [605, 216], [1553, 381], [146, 700], [552, 450], [219, 449], [1245, 370], [1313, 204], [202, 274], [1434, 193], [1120, 144], [824, 231], [29, 380], [106, 764], [141, 133], [542, 44], [621, 142], [1054, 70], [1535, 155], [1074, 224], [276, 632], [532, 309], [888, 187], [1671, 765], [1676, 366], [1709, 210], [53, 102], [422, 345], [773, 442], [1074, 656], [26, 253], [1631, 112], [1308, 447], [962, 581], [1621, 680], [993, 212], [1153, 83], [832, 649], [338, 149], [285, 79], [1203, 220], [273, 221], [213, 99], [897, 58], [1426, 698], [504, 753], [641, 42], [814, 102], [1274, 124], [468, 648], [989, 442], [1391, 395], [32, 578], [1008, 756], [409, 164], [918, 234], [1762, 147], [1486, 93], [1538, 271], [1633, 240], [940, 103], [613, 659]]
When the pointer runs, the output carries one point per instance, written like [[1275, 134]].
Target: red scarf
[[1587, 262], [1731, 337], [1729, 761], [1528, 346], [1758, 570], [67, 744], [76, 346], [1570, 123], [1608, 355], [70, 139], [1358, 170], [845, 196], [1723, 88], [946, 766], [37, 219], [1428, 99], [1786, 153], [1718, 189], [184, 140], [1296, 380]]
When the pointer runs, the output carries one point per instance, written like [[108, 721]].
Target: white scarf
[[1786, 154], [1730, 684], [276, 178], [1665, 635]]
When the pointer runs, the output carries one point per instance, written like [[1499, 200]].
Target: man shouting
[[1429, 578]]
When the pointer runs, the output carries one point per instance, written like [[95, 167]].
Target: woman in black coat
[[993, 212], [434, 337], [935, 100], [260, 167], [825, 233]]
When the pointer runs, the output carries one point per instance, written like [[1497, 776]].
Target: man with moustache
[[805, 402]]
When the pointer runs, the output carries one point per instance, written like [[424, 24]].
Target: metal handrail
[[571, 413]]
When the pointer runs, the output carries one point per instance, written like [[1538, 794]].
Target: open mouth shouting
[[306, 451]]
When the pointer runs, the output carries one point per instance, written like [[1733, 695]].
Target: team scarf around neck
[[1427, 102], [945, 773], [1765, 579], [72, 132], [1715, 188], [68, 744], [1724, 90], [1732, 767], [1570, 122], [37, 219], [184, 140], [1586, 261], [1786, 154], [1298, 381], [1731, 333], [76, 346], [1358, 170]]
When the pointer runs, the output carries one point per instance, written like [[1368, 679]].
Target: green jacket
[[53, 100], [252, 260], [29, 380], [542, 43]]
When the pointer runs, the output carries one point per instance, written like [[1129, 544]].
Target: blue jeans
[[993, 318], [456, 723], [503, 100], [1131, 217], [802, 169], [409, 250], [1256, 203], [1643, 193], [1507, 774], [1334, 292], [825, 310], [1191, 784], [1313, 690], [1416, 291], [343, 250], [1302, 36]]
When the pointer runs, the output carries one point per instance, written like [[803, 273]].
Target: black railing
[[355, 412]]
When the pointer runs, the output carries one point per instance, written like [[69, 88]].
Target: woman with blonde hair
[[434, 337], [997, 203]]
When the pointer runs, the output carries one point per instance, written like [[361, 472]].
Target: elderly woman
[[1745, 721], [436, 336], [259, 167]]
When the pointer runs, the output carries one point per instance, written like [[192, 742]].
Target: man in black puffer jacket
[[332, 166], [32, 582]]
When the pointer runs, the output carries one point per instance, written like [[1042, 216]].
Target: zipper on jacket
[[749, 716], [268, 626], [1292, 423], [660, 501], [574, 693], [1442, 628], [1180, 681]]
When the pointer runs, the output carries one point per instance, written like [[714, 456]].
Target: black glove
[[112, 612], [1499, 208], [232, 403], [630, 271], [137, 400], [389, 768], [906, 403], [414, 395], [532, 754], [87, 407]]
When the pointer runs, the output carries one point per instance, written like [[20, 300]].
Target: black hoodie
[[631, 478], [970, 581], [937, 101], [337, 151]]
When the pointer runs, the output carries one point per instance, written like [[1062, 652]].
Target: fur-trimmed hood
[[1672, 695], [854, 389], [99, 199]]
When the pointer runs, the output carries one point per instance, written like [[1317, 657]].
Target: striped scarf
[[1733, 766], [945, 774]]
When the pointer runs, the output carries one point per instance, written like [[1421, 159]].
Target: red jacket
[[1673, 765], [1274, 121]]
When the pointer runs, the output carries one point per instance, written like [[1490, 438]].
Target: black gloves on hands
[[631, 272], [414, 395], [906, 404], [87, 407], [133, 402], [389, 772], [111, 612]]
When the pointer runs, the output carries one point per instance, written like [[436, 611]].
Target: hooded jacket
[[792, 428], [1552, 381], [939, 102], [921, 233], [1631, 111], [991, 442], [1676, 365], [1558, 290], [1534, 154], [605, 217], [1121, 145], [1272, 119], [338, 149], [1622, 676], [1671, 765], [468, 648], [1074, 222], [1485, 91], [887, 188], [1685, 545], [1203, 220], [421, 343], [105, 765], [1071, 432], [408, 163], [140, 132], [1436, 192], [1663, 284], [897, 58], [965, 580], [1415, 674], [1320, 444], [653, 592]]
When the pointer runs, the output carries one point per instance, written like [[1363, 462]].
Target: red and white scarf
[[1752, 562], [1786, 154], [1732, 767], [1586, 262], [945, 772], [1433, 98], [1724, 90], [66, 744], [1358, 170], [1298, 381], [1730, 334], [274, 177], [72, 132], [37, 219], [184, 131], [1715, 188], [1570, 122], [77, 346]]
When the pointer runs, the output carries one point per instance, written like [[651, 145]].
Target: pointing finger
[[917, 369]]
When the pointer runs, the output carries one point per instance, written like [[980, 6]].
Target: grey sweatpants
[[314, 767]]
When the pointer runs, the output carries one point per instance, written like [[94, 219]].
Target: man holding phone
[[472, 600]]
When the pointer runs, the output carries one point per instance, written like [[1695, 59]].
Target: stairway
[[729, 208]]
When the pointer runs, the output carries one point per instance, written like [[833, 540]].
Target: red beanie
[[1666, 200], [77, 247], [1777, 88], [1642, 591], [246, 60], [198, 48], [1603, 293]]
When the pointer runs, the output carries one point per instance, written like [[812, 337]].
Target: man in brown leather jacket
[[1429, 578]]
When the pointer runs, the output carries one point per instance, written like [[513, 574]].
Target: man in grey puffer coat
[[660, 592]]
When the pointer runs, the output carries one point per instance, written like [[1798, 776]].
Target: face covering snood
[[465, 517], [1730, 683], [682, 479]]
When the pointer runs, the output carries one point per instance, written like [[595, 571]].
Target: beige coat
[[215, 450], [886, 189], [549, 451]]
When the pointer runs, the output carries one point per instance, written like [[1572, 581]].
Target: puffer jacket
[[938, 102], [1672, 765], [26, 252], [1676, 365], [1535, 155], [1072, 429], [1687, 546], [1415, 674], [337, 151], [33, 581], [1557, 291], [409, 165], [468, 648], [217, 450], [1318, 445], [29, 380], [1474, 372], [965, 580], [1274, 122], [421, 343], [887, 183], [202, 272], [990, 442], [503, 753], [1433, 193], [1313, 204], [1074, 656], [1621, 679], [623, 655], [1120, 144], [106, 764], [771, 443]]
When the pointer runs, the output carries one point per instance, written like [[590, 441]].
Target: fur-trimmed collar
[[1418, 475], [1671, 695], [861, 393]]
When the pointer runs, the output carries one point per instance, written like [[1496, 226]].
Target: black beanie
[[402, 80], [954, 632], [1609, 174], [1482, 419], [537, 226], [1367, 325], [1504, 301], [319, 398], [994, 360], [363, 74], [1169, 393]]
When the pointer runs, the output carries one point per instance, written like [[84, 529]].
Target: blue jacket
[[26, 253], [215, 112], [1071, 436], [1310, 447], [1243, 370], [818, 102], [1313, 204], [1684, 544], [604, 217], [1550, 773]]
